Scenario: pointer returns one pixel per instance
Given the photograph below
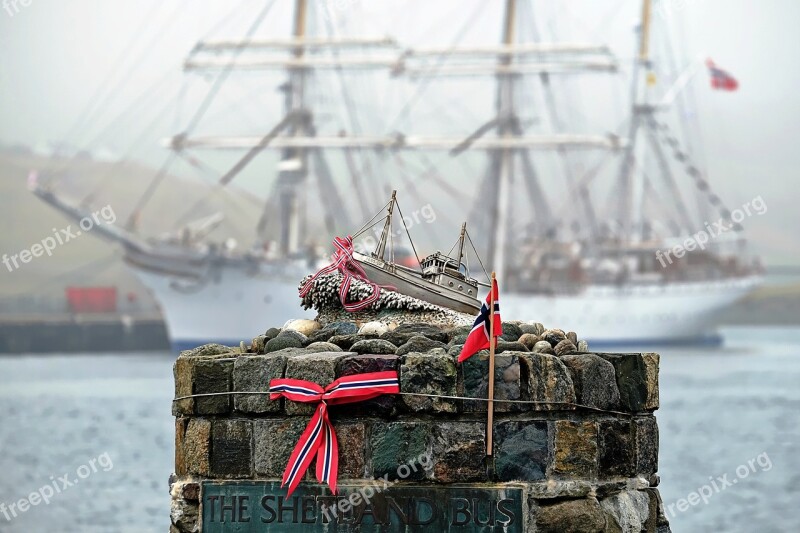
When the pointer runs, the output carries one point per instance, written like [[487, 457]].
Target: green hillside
[[87, 260]]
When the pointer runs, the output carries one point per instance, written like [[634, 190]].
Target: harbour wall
[[77, 333], [575, 448]]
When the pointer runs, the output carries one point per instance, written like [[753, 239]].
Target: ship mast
[[503, 161], [293, 166], [633, 166]]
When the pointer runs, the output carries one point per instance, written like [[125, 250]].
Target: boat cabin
[[447, 272]]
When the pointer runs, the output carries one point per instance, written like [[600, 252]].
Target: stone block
[[521, 450], [594, 380], [429, 374], [628, 511], [180, 446], [274, 442], [558, 490], [574, 449], [616, 449], [571, 516], [459, 452], [394, 444], [182, 371], [254, 374], [202, 375], [319, 368], [385, 405], [646, 430], [352, 439], [547, 381], [197, 446], [474, 383], [231, 448], [637, 379], [184, 515], [651, 365]]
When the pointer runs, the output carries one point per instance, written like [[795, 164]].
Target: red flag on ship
[[721, 79], [478, 338]]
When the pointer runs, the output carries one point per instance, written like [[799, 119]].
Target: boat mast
[[504, 160], [293, 166], [633, 167], [461, 243], [387, 227]]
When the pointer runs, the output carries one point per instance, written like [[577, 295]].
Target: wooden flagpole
[[492, 342]]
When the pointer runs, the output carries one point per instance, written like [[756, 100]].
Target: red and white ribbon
[[319, 437], [343, 262]]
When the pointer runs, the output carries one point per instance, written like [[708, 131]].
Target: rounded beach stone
[[290, 333], [304, 326], [259, 343], [459, 332], [533, 327], [344, 341], [573, 337], [342, 328], [419, 343], [564, 347], [582, 346], [529, 340], [432, 332], [554, 336], [507, 346], [511, 331], [373, 328], [280, 343], [322, 346], [373, 346], [543, 347]]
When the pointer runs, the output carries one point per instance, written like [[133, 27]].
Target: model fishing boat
[[441, 280]]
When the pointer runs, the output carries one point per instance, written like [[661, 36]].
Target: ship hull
[[231, 307], [234, 305], [657, 314]]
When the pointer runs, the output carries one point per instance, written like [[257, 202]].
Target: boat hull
[[407, 284], [675, 313], [230, 307]]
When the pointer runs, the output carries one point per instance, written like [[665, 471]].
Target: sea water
[[727, 414]]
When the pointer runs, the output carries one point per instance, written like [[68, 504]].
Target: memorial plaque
[[380, 506]]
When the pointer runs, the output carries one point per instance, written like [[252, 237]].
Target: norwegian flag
[[721, 79], [478, 338]]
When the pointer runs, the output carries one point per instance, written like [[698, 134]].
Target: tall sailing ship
[[577, 267]]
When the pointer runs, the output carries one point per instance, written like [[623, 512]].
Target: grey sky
[[54, 54]]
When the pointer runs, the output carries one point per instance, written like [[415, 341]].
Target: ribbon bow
[[343, 262], [319, 436]]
